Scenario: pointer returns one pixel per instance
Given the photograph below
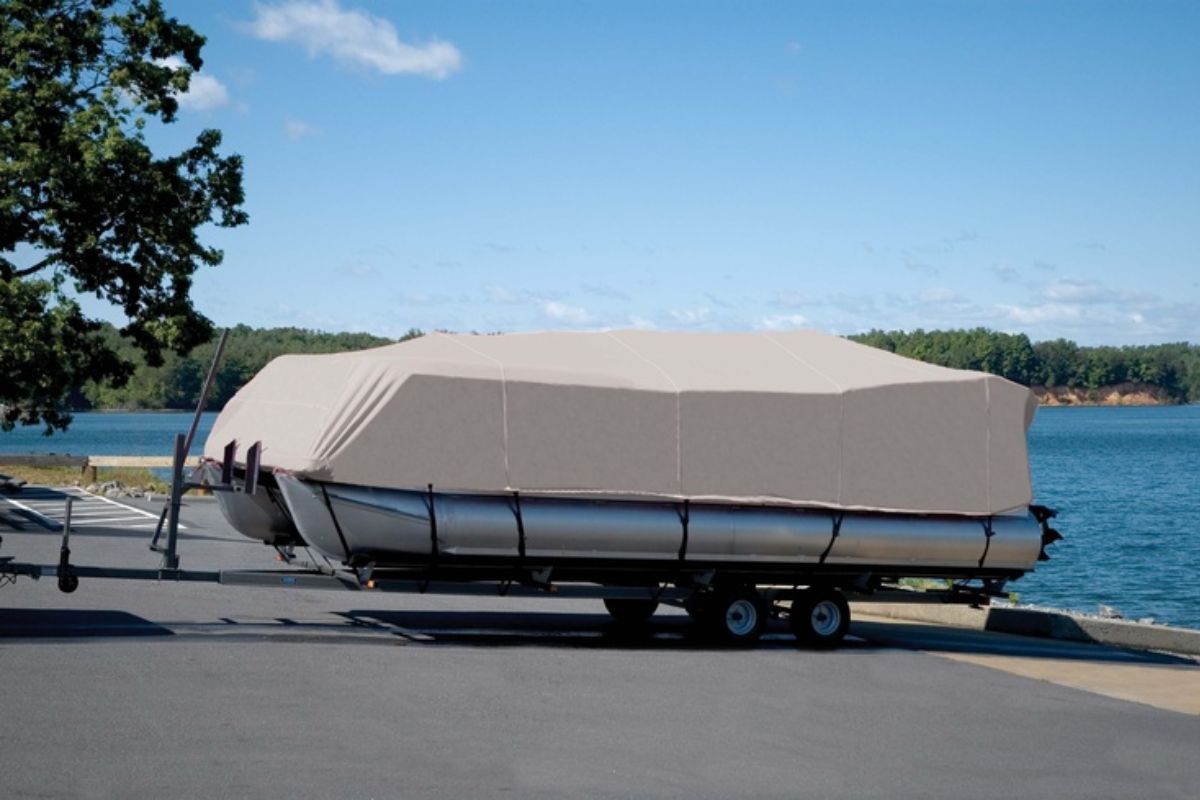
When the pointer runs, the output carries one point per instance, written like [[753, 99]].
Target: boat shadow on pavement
[[504, 629]]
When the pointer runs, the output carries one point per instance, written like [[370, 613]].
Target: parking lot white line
[[36, 513], [87, 510], [105, 520], [121, 505]]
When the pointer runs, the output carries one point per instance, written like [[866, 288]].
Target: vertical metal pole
[[67, 580], [170, 557], [208, 384]]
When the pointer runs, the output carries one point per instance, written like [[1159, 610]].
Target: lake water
[[112, 434], [1126, 482]]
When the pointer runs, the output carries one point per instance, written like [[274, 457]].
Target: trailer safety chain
[[337, 527], [988, 533], [837, 528]]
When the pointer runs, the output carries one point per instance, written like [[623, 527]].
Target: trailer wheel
[[820, 618], [738, 617], [630, 611]]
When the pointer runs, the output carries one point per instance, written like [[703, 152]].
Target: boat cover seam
[[503, 400], [987, 445], [678, 408], [841, 392]]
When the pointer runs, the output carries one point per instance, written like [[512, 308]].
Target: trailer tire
[[628, 611], [820, 618], [738, 617]]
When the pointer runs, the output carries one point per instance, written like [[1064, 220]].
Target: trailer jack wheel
[[627, 611], [738, 617], [68, 582], [820, 617]]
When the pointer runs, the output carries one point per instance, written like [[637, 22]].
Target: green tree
[[86, 205]]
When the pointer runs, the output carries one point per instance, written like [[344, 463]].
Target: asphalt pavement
[[143, 689]]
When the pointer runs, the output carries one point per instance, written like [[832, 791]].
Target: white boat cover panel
[[796, 418]]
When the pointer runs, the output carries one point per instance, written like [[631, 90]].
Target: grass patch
[[69, 476], [926, 584]]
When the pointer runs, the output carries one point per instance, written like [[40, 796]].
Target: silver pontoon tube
[[357, 525], [260, 515]]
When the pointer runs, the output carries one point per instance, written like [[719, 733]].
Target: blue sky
[[1028, 167]]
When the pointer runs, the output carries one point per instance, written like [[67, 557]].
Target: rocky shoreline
[[1121, 394]]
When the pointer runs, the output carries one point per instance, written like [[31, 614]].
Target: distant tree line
[[178, 382], [1172, 368]]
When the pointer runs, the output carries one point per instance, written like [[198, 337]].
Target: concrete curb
[[1044, 624]]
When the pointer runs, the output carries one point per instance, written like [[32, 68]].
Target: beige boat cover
[[797, 418]]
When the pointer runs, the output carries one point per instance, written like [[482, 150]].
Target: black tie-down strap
[[516, 509], [988, 533], [1043, 514], [837, 529], [433, 533], [517, 570], [685, 516], [431, 507], [337, 527]]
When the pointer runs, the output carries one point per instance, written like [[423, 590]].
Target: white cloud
[[938, 295], [358, 269], [428, 299], [692, 316], [641, 323], [498, 294], [720, 301], [1043, 312], [791, 300], [561, 312], [1006, 273], [296, 130], [922, 267], [357, 38], [1093, 292], [1067, 289], [204, 91], [519, 297], [781, 322], [605, 291]]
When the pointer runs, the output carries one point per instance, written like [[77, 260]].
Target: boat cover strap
[[433, 534], [336, 525], [520, 525], [988, 533], [684, 517], [837, 528]]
